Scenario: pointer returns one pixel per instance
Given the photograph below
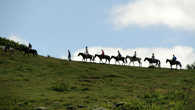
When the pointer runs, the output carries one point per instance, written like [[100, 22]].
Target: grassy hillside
[[28, 83]]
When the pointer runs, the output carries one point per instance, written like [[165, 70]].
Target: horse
[[33, 52], [7, 48], [151, 61], [134, 59], [28, 51], [117, 59], [106, 57], [174, 63], [86, 56]]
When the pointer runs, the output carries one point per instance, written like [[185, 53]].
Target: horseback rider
[[119, 54], [153, 57], [102, 52], [69, 55], [174, 58], [86, 50], [29, 46], [135, 55]]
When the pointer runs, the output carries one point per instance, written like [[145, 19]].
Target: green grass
[[30, 82]]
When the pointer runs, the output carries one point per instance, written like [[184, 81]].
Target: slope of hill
[[30, 83]]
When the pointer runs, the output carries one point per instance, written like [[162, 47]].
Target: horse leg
[[101, 61]]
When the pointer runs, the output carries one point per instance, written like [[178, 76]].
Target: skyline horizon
[[53, 27]]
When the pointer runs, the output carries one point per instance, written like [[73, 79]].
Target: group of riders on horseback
[[26, 49], [132, 59]]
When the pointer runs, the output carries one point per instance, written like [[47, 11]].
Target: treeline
[[192, 66], [11, 43]]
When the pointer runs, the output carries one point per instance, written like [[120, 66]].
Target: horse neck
[[115, 58], [98, 55], [128, 57], [146, 59], [168, 60], [80, 54]]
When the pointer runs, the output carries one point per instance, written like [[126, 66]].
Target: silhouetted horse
[[174, 63], [133, 59], [151, 61], [28, 51], [117, 59], [7, 47], [85, 57], [33, 51], [101, 57]]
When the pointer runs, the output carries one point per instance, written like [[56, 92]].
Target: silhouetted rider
[[174, 58], [135, 55], [86, 50], [102, 52], [119, 54], [69, 55], [29, 46], [153, 57]]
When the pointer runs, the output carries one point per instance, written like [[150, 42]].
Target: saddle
[[134, 57], [174, 61], [119, 57], [87, 55]]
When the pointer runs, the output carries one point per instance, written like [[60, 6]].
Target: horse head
[[146, 58], [96, 55], [168, 60], [79, 54], [127, 56], [113, 57]]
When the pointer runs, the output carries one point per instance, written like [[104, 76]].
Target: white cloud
[[172, 13], [18, 39], [183, 53]]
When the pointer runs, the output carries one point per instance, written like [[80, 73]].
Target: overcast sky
[[53, 26]]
